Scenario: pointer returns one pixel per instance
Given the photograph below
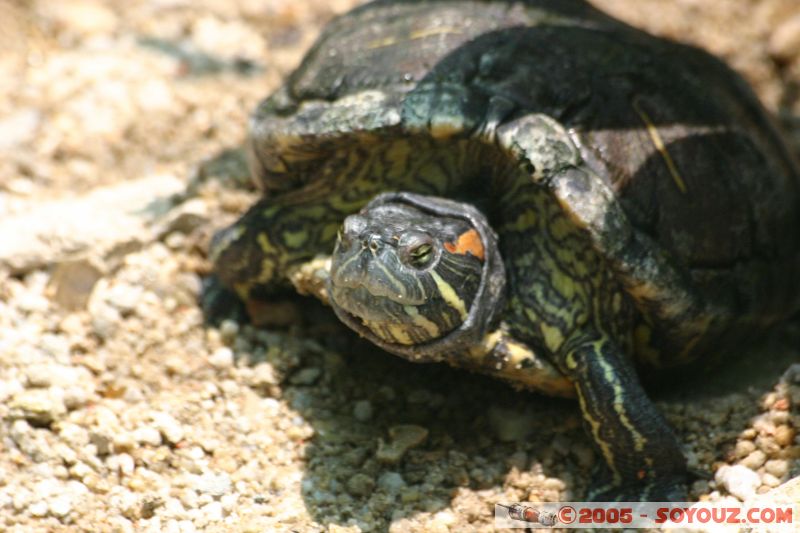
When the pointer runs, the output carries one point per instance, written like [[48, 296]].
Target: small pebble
[[32, 303], [212, 512], [263, 376], [391, 482], [75, 398], [102, 443], [784, 435], [443, 520], [47, 375], [221, 358], [769, 480], [38, 509], [767, 444], [754, 460], [80, 470], [510, 424], [749, 434], [306, 376], [360, 485], [105, 320], [147, 435], [125, 464], [124, 297], [38, 406], [72, 283], [123, 441], [60, 506], [777, 467], [362, 410], [170, 428], [788, 492], [214, 484], [175, 241], [228, 330], [403, 438]]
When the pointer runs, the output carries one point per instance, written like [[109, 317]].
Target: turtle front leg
[[253, 257], [644, 461], [256, 256], [502, 356]]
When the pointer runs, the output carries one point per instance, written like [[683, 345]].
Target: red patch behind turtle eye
[[469, 241]]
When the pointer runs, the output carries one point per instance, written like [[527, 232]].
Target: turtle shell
[[658, 150]]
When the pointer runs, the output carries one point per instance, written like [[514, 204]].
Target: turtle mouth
[[368, 304], [372, 292], [392, 323]]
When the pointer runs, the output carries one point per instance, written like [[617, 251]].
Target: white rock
[[38, 406], [48, 375], [147, 435], [38, 509], [84, 17], [31, 302], [214, 484], [9, 388], [155, 95], [124, 297], [18, 128], [170, 428], [60, 506], [221, 358], [44, 233], [738, 480], [174, 508], [212, 512], [105, 319]]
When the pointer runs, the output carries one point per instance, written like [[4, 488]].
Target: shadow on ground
[[483, 436]]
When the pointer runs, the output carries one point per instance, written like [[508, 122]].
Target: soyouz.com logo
[[580, 515]]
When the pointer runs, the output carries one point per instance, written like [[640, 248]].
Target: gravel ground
[[120, 411]]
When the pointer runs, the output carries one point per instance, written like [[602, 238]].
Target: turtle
[[531, 189]]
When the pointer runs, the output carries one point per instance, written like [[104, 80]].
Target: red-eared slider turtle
[[534, 190]]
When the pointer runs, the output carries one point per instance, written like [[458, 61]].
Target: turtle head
[[416, 275]]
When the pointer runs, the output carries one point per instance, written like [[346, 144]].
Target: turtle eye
[[416, 249], [421, 255]]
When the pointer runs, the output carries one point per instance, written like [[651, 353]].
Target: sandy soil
[[121, 411]]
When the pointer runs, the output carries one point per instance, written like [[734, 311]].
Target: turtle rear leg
[[644, 461]]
